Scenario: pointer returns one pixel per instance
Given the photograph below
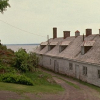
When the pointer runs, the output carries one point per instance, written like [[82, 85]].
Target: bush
[[4, 69], [3, 47], [24, 61], [21, 58], [13, 78], [33, 59]]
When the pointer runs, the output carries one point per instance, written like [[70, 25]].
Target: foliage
[[3, 5], [6, 55], [21, 60], [3, 47], [24, 61], [6, 69], [14, 78], [42, 82], [33, 60]]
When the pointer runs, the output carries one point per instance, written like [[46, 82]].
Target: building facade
[[76, 56]]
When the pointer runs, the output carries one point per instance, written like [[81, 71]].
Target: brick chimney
[[77, 33], [99, 32], [66, 34], [54, 32], [88, 32]]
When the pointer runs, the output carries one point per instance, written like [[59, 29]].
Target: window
[[42, 46], [84, 70], [61, 48], [98, 73], [70, 66], [86, 46]]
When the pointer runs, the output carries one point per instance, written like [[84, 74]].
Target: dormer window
[[63, 45], [86, 46], [52, 45], [43, 45]]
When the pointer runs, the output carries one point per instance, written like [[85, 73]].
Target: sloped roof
[[55, 50], [88, 43], [73, 50], [53, 43], [65, 43], [44, 43]]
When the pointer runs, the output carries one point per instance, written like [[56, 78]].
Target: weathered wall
[[62, 66], [40, 60]]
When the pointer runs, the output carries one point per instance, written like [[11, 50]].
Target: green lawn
[[32, 89], [41, 84]]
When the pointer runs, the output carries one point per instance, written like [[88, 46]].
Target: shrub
[[21, 58], [11, 51], [33, 59], [3, 47], [13, 78], [24, 61], [4, 69]]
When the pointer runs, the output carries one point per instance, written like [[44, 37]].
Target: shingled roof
[[53, 43], [65, 43], [88, 43], [73, 50], [44, 43]]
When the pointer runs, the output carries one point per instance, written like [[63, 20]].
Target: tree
[[25, 61], [34, 60], [21, 60], [3, 5]]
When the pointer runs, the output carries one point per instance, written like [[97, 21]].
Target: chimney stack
[[99, 32], [83, 37], [88, 32], [66, 34], [54, 32], [77, 33]]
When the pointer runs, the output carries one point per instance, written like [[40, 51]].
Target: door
[[77, 71], [56, 66]]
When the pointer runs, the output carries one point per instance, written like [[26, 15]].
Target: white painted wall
[[63, 64]]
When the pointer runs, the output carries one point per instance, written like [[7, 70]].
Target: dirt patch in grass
[[8, 95]]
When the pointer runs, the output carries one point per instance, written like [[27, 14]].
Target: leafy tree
[[24, 61], [34, 60], [21, 58], [3, 5]]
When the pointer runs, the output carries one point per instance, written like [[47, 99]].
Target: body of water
[[27, 47]]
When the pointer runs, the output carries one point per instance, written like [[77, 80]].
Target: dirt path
[[8, 95], [70, 93]]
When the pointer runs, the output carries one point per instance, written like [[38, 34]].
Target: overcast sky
[[40, 16]]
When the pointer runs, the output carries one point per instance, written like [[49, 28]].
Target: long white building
[[76, 56]]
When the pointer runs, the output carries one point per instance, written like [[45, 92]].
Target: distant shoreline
[[23, 44], [27, 47]]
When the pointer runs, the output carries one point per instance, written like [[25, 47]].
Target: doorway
[[56, 66], [77, 71]]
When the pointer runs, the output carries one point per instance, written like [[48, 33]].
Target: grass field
[[31, 89], [43, 82]]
